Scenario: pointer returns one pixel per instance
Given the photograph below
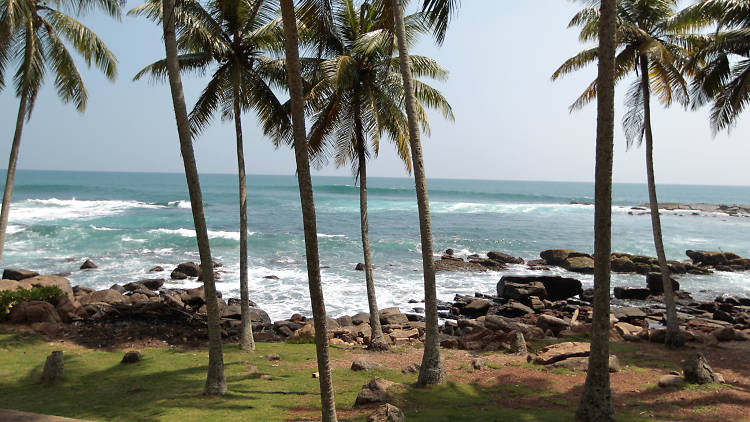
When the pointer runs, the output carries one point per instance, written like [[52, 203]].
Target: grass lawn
[[167, 385]]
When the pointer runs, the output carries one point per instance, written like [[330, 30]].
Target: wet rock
[[556, 256], [710, 258], [622, 265], [190, 269], [18, 275], [88, 265], [359, 267], [156, 269], [504, 258], [176, 275], [458, 265], [631, 293], [656, 284], [555, 287]]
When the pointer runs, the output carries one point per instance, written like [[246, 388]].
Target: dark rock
[[32, 312], [587, 295], [376, 391], [54, 367], [549, 322], [391, 316], [177, 275], [132, 357], [449, 252], [556, 287], [271, 277], [82, 290], [696, 370], [152, 283], [458, 265], [190, 269], [720, 315], [622, 265], [18, 275], [476, 308], [514, 309], [504, 258], [488, 263], [478, 364], [119, 289], [656, 284], [556, 256], [520, 291], [629, 313], [360, 267], [630, 293], [156, 269], [88, 264]]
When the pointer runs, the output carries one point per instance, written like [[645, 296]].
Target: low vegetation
[[9, 298]]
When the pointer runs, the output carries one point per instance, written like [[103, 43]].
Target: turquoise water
[[130, 222]]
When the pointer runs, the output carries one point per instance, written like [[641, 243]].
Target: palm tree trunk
[[15, 148], [432, 371], [247, 342], [596, 400], [673, 339], [377, 340], [308, 210], [215, 382], [10, 178]]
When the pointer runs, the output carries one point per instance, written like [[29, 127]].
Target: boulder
[[549, 322], [176, 275], [392, 315], [190, 269], [8, 285], [361, 318], [504, 258], [359, 267], [119, 289], [629, 313], [152, 283], [556, 256], [375, 391], [667, 381], [514, 309], [107, 296], [54, 367], [362, 364], [555, 287], [696, 370], [32, 312], [517, 344], [627, 331], [561, 351], [622, 265], [705, 258], [156, 269], [386, 413], [88, 265], [582, 364], [458, 265], [83, 290], [631, 293], [18, 275], [476, 308], [656, 284], [520, 291], [132, 357], [48, 280], [69, 310], [587, 295], [579, 264]]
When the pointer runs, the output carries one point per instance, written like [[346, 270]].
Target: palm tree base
[[429, 376], [674, 341], [378, 346]]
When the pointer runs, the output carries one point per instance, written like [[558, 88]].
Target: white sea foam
[[323, 235], [103, 229], [213, 234], [35, 210], [130, 239], [179, 204], [12, 229]]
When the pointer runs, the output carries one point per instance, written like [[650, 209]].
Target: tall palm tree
[[596, 400], [358, 97], [297, 105], [649, 47], [234, 36], [215, 381], [38, 34], [720, 59]]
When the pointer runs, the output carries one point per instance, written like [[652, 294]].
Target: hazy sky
[[512, 122]]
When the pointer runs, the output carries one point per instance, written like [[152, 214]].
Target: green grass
[[167, 386]]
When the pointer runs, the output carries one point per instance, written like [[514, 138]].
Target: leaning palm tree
[[720, 60], [37, 34], [234, 37], [649, 47], [360, 96], [215, 381], [596, 400], [297, 109]]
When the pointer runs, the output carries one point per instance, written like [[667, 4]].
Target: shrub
[[8, 298]]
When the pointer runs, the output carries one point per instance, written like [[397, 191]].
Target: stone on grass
[[666, 381], [697, 370], [362, 364], [132, 356], [517, 344], [412, 368], [54, 367], [375, 391], [478, 364], [561, 351], [386, 413], [273, 356]]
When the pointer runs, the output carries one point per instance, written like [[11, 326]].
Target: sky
[[512, 122]]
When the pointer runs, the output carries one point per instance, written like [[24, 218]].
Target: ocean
[[128, 223]]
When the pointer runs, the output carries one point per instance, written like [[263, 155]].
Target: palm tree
[[215, 381], [233, 39], [36, 32], [360, 96], [649, 47], [297, 105], [720, 60], [596, 400]]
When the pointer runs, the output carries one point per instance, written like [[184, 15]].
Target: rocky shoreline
[[534, 306]]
